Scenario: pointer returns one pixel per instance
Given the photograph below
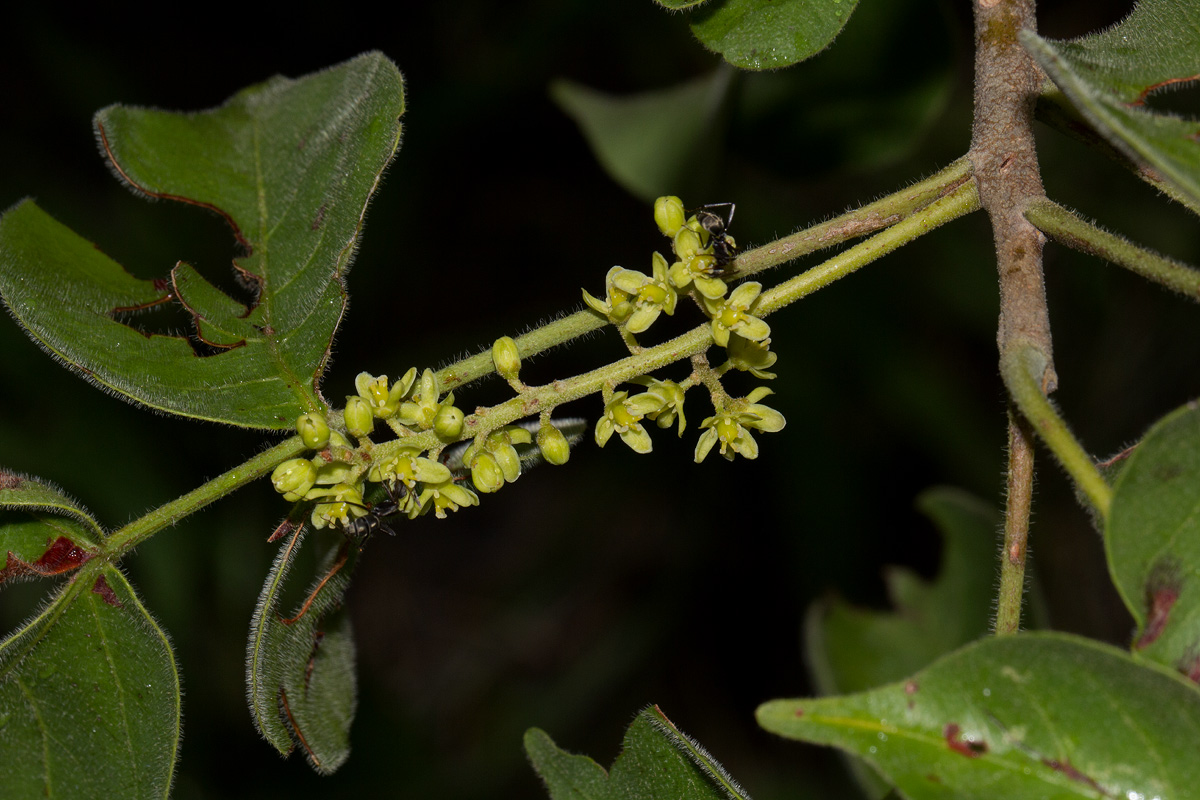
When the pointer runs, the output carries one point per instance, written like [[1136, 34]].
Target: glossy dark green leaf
[[1153, 541], [1030, 715], [42, 530], [649, 143], [300, 675], [657, 760], [291, 166], [89, 696], [851, 649], [1111, 78], [769, 34]]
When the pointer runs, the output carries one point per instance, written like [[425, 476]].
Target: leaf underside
[[291, 165], [300, 671], [1111, 77]]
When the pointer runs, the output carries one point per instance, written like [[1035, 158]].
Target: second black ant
[[377, 515]]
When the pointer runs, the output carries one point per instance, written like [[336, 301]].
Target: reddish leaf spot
[[1190, 667], [320, 218], [62, 555], [10, 481], [933, 778], [967, 747], [1066, 769], [1162, 590], [799, 712], [911, 687], [106, 592]]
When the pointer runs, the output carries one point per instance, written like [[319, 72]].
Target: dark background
[[581, 594]]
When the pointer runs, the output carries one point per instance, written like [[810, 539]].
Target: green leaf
[[852, 649], [1030, 715], [300, 673], [89, 696], [43, 531], [679, 5], [650, 142], [769, 34], [1110, 76], [657, 760], [291, 165], [1153, 541]]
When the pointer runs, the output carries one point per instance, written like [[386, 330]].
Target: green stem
[[1018, 502], [882, 213], [962, 200], [1022, 367], [874, 216], [129, 536], [1068, 228]]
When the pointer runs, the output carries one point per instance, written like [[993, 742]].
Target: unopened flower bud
[[448, 422], [553, 444], [507, 358], [486, 473], [313, 430], [294, 478], [360, 420], [668, 214]]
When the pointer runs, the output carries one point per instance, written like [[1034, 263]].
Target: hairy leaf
[[657, 760], [89, 696], [769, 34], [1030, 715], [42, 530], [650, 142], [1111, 78], [291, 166], [300, 676], [1153, 541], [678, 5]]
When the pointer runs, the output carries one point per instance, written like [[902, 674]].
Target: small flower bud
[[507, 358], [313, 430], [553, 444], [294, 478], [360, 420], [448, 422], [486, 473], [668, 214]]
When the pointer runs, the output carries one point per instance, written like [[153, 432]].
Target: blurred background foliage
[[579, 595]]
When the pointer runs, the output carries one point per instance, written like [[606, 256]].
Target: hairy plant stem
[[1069, 229], [1007, 82], [1018, 501], [129, 536], [872, 217], [910, 213], [1021, 368]]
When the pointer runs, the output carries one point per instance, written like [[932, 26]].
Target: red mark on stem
[[106, 592], [967, 747]]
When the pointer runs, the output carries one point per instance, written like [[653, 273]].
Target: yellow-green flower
[[420, 408], [671, 395], [751, 356], [443, 497], [618, 305], [623, 415], [732, 315], [338, 505], [731, 427], [649, 295], [382, 401]]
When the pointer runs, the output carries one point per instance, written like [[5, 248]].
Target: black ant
[[724, 248], [376, 517]]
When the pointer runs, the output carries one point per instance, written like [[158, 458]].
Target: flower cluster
[[633, 300]]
